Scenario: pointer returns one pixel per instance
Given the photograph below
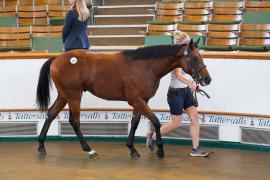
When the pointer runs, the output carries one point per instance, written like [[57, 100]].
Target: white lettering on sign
[[207, 119]]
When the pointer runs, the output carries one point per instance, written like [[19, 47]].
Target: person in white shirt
[[180, 98]]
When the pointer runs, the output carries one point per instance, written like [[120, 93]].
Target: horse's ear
[[197, 42], [191, 44]]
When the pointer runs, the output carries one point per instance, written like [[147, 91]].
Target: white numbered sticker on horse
[[73, 60]]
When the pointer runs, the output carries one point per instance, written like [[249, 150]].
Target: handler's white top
[[175, 82]]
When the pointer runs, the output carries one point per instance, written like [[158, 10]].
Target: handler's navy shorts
[[179, 99]]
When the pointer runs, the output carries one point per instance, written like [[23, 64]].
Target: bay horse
[[130, 75]]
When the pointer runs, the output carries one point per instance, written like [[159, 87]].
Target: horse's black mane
[[152, 52]]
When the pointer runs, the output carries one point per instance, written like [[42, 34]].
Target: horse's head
[[193, 64]]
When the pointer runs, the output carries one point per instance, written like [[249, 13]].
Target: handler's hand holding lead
[[192, 86]]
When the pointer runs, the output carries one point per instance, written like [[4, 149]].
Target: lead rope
[[203, 93]]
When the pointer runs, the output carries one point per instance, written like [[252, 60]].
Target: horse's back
[[79, 59], [95, 72]]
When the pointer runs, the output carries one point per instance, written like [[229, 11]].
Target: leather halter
[[196, 75], [195, 71]]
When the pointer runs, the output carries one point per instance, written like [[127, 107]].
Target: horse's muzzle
[[207, 80]]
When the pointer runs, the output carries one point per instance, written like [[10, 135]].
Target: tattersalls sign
[[209, 119], [2, 116]]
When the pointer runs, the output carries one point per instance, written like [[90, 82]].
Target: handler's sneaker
[[150, 142], [198, 152]]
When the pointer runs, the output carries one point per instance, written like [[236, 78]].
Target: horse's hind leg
[[144, 109], [54, 110], [74, 119], [134, 124]]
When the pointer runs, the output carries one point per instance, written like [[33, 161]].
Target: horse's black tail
[[43, 87]]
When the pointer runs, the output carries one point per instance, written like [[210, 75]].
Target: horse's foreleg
[[144, 109], [156, 124], [74, 120], [134, 124], [58, 105]]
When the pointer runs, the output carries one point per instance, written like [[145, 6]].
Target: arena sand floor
[[66, 160]]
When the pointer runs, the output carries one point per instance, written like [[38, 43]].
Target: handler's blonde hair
[[180, 37], [82, 9]]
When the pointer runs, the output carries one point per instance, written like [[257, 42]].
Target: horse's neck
[[163, 66]]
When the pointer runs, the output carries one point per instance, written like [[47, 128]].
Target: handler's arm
[[191, 84], [67, 25]]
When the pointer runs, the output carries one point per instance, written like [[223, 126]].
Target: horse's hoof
[[160, 154], [135, 155], [42, 150], [92, 156]]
